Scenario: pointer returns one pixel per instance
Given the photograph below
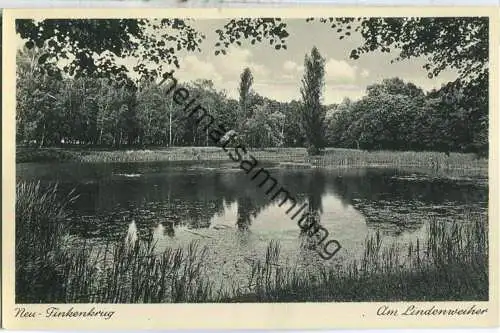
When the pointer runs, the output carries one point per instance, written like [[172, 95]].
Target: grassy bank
[[333, 157], [450, 264], [47, 155]]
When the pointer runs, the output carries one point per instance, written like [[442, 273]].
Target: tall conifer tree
[[313, 113]]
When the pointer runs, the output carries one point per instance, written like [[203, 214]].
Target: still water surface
[[219, 206]]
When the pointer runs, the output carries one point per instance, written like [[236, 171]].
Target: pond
[[218, 205]]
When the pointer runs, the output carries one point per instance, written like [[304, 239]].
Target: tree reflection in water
[[177, 196]]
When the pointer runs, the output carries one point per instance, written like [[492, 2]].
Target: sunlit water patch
[[220, 207]]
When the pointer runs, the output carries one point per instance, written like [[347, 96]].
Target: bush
[[45, 155], [314, 151]]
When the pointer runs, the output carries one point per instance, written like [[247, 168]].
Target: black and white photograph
[[252, 160]]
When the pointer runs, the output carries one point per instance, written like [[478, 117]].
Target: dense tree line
[[115, 112], [108, 112], [92, 101], [396, 115], [100, 105]]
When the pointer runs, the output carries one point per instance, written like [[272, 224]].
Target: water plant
[[450, 263]]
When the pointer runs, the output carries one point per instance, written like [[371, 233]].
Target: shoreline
[[382, 273], [282, 157]]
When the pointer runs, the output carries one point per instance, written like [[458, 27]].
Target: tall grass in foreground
[[40, 237], [52, 267], [450, 264], [136, 274]]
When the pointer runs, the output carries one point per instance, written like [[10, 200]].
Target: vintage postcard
[[301, 168]]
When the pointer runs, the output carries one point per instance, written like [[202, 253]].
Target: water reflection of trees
[[308, 186], [388, 184], [194, 197], [394, 201]]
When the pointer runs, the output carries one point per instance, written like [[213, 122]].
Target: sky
[[278, 73]]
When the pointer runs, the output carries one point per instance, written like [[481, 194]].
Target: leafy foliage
[[253, 29], [393, 115], [313, 112], [459, 43], [265, 128], [91, 46], [96, 103], [399, 116], [245, 90]]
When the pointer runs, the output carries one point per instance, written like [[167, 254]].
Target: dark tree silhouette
[[313, 113]]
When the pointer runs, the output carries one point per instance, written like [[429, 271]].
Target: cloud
[[339, 71], [423, 81], [236, 60], [335, 93], [365, 73], [292, 67], [193, 68], [288, 77], [224, 70], [292, 71], [289, 66], [280, 92]]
